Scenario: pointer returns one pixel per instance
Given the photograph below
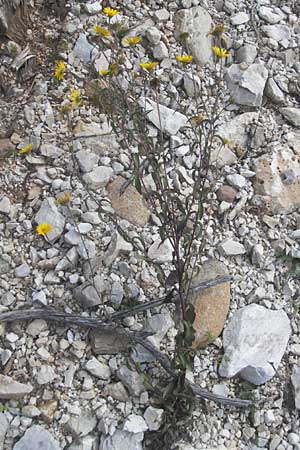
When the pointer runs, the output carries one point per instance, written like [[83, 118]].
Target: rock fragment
[[37, 438], [247, 84], [11, 389], [48, 213]]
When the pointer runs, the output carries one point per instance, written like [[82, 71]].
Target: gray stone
[[45, 375], [107, 342], [292, 115], [135, 424], [83, 424], [87, 295], [191, 84], [153, 35], [30, 411], [195, 23], [36, 327], [269, 15], [273, 92], [86, 160], [239, 18], [167, 119], [85, 443], [295, 379], [223, 157], [7, 299], [280, 33], [131, 380], [160, 51], [93, 7], [161, 15], [51, 151], [37, 438], [236, 180], [86, 249], [161, 251], [72, 237], [246, 85], [231, 248], [122, 440], [22, 271], [48, 213], [116, 391], [159, 325], [236, 130], [3, 429], [246, 54], [5, 206], [99, 177], [11, 389], [154, 418], [117, 246], [254, 343], [98, 369], [83, 50], [117, 293], [69, 261]]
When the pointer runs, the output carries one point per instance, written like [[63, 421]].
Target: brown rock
[[116, 391], [129, 205], [226, 194], [47, 410], [211, 305]]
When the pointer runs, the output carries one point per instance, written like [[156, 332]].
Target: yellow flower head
[[44, 228], [63, 199], [184, 58], [111, 12], [196, 120], [26, 149], [218, 30], [149, 65], [101, 31], [104, 72], [132, 40], [60, 70], [221, 52], [226, 141], [75, 97]]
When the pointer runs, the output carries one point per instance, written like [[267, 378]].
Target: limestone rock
[[154, 418], [116, 391], [270, 15], [169, 120], [161, 251], [292, 115], [99, 177], [108, 342], [210, 305], [37, 438], [83, 50], [122, 440], [195, 23], [11, 389], [3, 429], [83, 424], [129, 205], [295, 378], [135, 424], [86, 160], [98, 369], [280, 33], [231, 248], [277, 180], [51, 151], [246, 54], [254, 343], [117, 246], [273, 92], [131, 380], [246, 85], [48, 213], [236, 129]]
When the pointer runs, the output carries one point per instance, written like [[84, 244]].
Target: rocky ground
[[64, 387]]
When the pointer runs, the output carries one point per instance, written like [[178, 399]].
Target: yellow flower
[[43, 228], [226, 141], [63, 199], [196, 120], [104, 72], [218, 30], [26, 149], [75, 97], [101, 31], [220, 52], [110, 12], [60, 70], [149, 65], [132, 40], [184, 58]]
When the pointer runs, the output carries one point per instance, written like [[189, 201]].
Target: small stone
[[98, 369], [273, 92], [83, 50], [247, 85], [86, 160], [226, 194], [129, 204], [36, 327], [269, 15], [83, 424], [4, 424], [236, 180], [7, 299], [154, 418], [88, 295], [246, 54], [161, 15], [5, 206], [292, 115], [117, 293], [153, 35], [279, 33], [22, 271], [30, 411], [51, 151], [295, 379], [161, 251], [122, 439], [293, 438], [117, 246], [160, 51], [131, 380], [232, 248], [94, 7], [109, 342], [221, 389], [45, 375], [86, 249], [239, 18], [166, 119], [48, 213], [116, 391], [37, 438], [99, 177], [135, 424], [11, 389]]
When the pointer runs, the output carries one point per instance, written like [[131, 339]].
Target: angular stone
[[117, 246], [269, 15], [83, 424], [295, 379], [226, 194], [236, 129], [45, 375], [130, 204], [161, 251], [22, 271], [131, 380], [231, 248], [195, 24], [109, 342], [153, 417], [254, 343], [280, 33], [48, 213], [51, 151], [273, 92], [86, 160], [116, 391], [277, 180], [83, 50], [223, 157], [292, 115], [6, 147], [98, 369], [37, 438], [3, 429], [11, 389], [99, 177], [239, 18], [246, 85], [246, 54], [166, 119], [5, 205], [160, 51], [135, 424], [210, 305], [87, 295], [122, 440], [36, 327]]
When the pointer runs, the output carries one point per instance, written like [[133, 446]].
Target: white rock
[[122, 440], [254, 342], [135, 424], [231, 248], [93, 7], [153, 35], [239, 18], [170, 121], [280, 33], [37, 438], [269, 15], [246, 85], [161, 251], [99, 177], [246, 54], [5, 205], [45, 375], [236, 180], [4, 424], [86, 249], [11, 389], [86, 160], [273, 91], [154, 418], [292, 115], [48, 213], [98, 369], [160, 51], [83, 50], [22, 271], [295, 379], [51, 151]]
